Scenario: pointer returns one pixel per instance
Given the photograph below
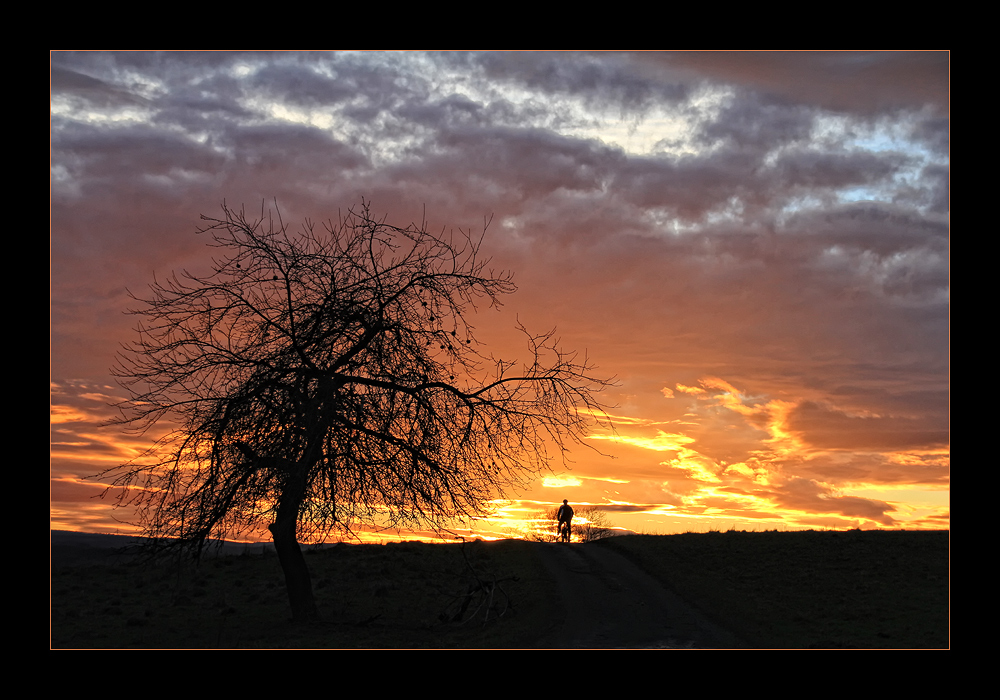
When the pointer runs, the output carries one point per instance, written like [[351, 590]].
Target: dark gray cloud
[[752, 123], [298, 83], [93, 157], [603, 78], [867, 82], [69, 83]]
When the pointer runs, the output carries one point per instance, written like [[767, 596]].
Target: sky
[[754, 245]]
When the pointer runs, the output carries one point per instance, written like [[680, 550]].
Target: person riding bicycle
[[565, 515]]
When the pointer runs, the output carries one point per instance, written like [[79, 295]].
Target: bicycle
[[564, 532]]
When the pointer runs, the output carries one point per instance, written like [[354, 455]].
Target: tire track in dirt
[[608, 602]]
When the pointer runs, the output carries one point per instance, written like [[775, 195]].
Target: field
[[809, 589], [771, 589]]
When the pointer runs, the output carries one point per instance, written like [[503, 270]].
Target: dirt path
[[611, 603]]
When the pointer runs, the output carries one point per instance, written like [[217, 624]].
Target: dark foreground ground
[[885, 589]]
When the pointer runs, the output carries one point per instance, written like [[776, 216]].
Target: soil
[[608, 602]]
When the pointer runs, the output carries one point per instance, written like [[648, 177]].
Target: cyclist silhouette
[[565, 518]]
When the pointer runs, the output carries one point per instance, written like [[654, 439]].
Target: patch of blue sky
[[864, 194], [901, 185], [889, 134]]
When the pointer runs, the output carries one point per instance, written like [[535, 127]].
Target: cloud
[[861, 82], [602, 79], [661, 442], [828, 428], [808, 496], [560, 481], [90, 90], [763, 238]]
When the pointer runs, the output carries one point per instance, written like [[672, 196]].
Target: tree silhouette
[[328, 377], [593, 525]]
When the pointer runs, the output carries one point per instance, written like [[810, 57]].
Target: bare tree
[[594, 524], [326, 377]]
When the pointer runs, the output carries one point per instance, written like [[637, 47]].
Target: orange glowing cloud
[[662, 442]]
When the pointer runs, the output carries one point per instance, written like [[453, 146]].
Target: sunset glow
[[755, 246]]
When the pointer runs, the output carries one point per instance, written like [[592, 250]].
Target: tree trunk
[[297, 580], [286, 543]]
